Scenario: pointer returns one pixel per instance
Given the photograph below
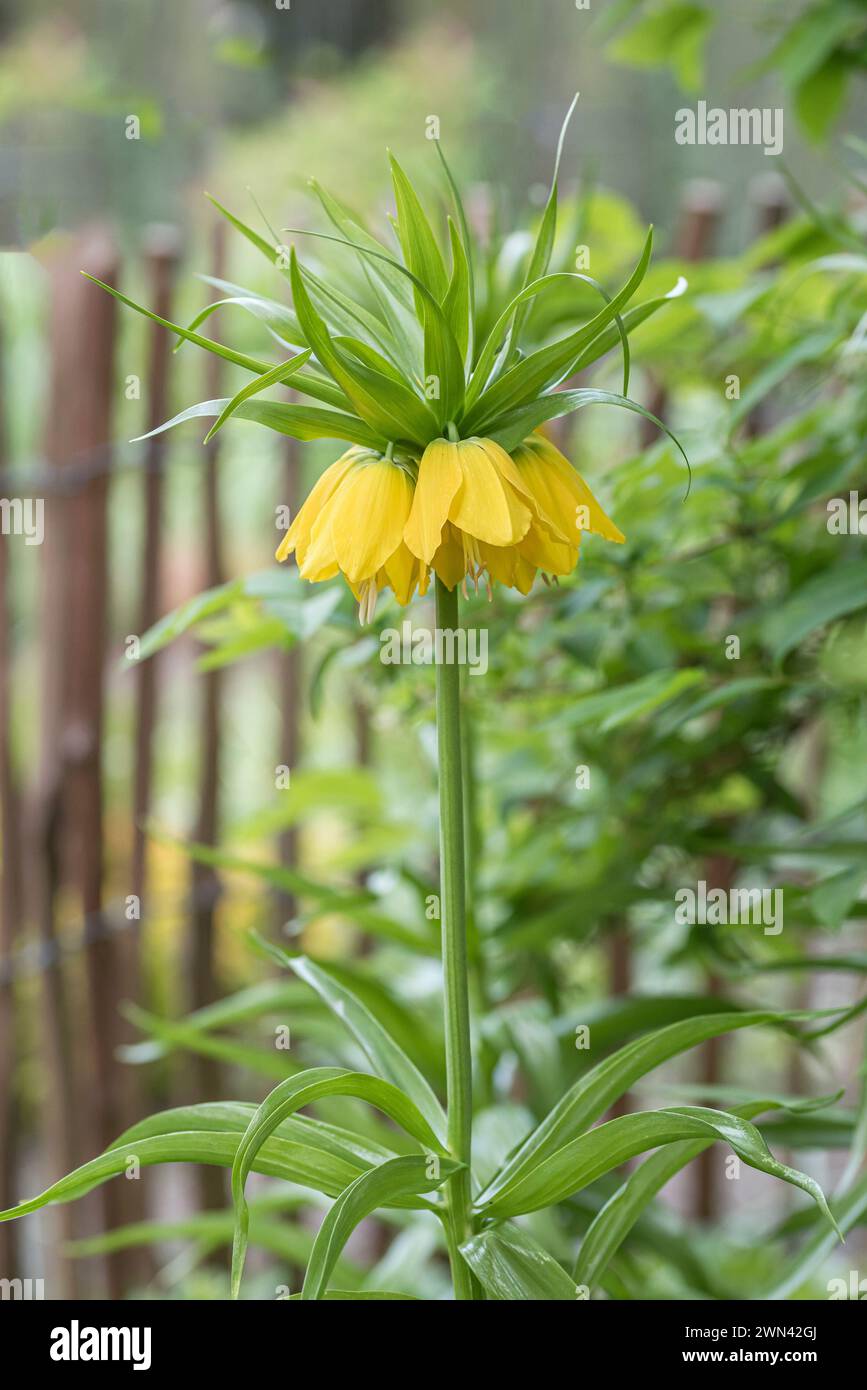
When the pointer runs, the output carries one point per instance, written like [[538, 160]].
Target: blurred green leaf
[[829, 595], [670, 34]]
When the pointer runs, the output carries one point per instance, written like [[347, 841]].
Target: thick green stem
[[459, 1078]]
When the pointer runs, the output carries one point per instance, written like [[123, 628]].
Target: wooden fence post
[[205, 882], [83, 344], [10, 899], [89, 341], [162, 250]]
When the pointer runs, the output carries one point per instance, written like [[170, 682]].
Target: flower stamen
[[367, 603]]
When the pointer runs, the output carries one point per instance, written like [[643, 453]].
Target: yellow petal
[[439, 477], [543, 552], [507, 566], [505, 466], [596, 520], [404, 572], [563, 499], [487, 506], [367, 517], [449, 561], [319, 559], [298, 535], [525, 573]]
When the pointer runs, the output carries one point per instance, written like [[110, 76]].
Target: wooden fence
[[53, 845]]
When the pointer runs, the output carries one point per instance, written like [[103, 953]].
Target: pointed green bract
[[385, 404], [457, 304], [280, 320], [530, 378], [465, 237], [495, 351], [240, 359], [281, 374], [297, 421], [541, 257], [343, 315], [393, 283], [268, 249], [409, 362], [420, 249]]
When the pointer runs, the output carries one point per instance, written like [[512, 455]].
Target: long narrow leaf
[[466, 239], [293, 1095], [381, 1050], [398, 1178], [281, 373], [240, 359], [544, 244], [457, 305], [549, 365], [279, 1159], [610, 1228], [512, 428], [297, 421], [420, 249], [511, 1266], [280, 320], [611, 1078], [496, 344], [389, 408], [580, 1162]]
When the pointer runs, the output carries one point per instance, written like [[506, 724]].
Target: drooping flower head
[[438, 380], [472, 513]]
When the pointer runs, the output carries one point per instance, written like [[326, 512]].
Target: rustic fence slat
[[205, 882], [162, 248], [10, 899], [68, 823], [161, 254], [84, 321]]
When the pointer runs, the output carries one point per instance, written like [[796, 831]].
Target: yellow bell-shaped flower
[[478, 511], [353, 523], [564, 507]]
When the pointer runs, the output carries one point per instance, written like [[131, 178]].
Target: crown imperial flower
[[460, 485], [474, 512]]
